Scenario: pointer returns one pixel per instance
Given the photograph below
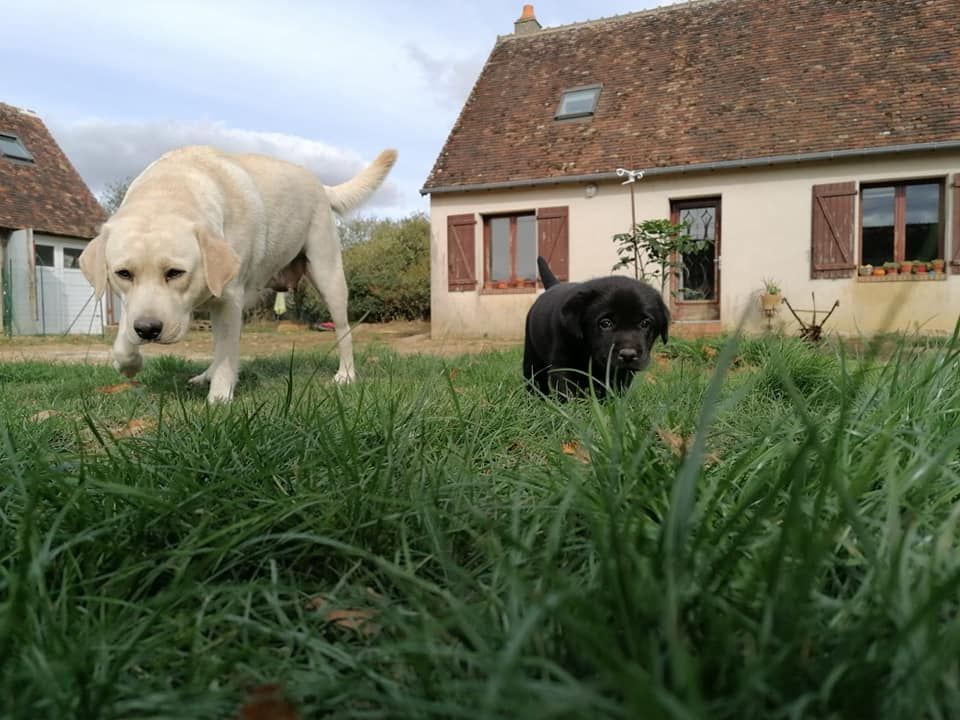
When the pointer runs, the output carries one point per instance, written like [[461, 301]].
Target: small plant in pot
[[891, 268], [919, 267], [771, 295], [906, 267], [938, 265], [866, 270]]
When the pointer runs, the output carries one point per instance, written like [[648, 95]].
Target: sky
[[324, 84]]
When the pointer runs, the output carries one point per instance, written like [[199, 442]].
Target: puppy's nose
[[627, 356], [148, 328]]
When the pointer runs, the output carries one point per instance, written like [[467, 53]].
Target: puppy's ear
[[571, 313], [220, 263], [663, 319], [93, 263]]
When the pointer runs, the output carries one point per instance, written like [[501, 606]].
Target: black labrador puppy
[[599, 331]]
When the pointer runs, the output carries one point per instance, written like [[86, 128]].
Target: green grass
[[522, 559]]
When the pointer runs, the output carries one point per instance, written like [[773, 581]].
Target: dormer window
[[578, 102], [11, 147]]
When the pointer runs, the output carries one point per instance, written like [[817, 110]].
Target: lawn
[[756, 530]]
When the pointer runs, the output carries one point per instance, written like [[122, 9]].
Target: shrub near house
[[388, 273]]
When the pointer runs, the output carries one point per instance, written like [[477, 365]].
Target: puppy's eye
[[173, 273], [606, 324], [645, 323], [124, 274]]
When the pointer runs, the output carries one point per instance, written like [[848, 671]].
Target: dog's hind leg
[[325, 270]]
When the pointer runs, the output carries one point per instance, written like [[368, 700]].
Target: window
[[901, 222], [71, 258], [510, 246], [578, 102], [43, 255], [11, 147]]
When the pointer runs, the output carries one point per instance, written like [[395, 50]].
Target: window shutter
[[955, 196], [832, 249], [461, 254], [553, 239]]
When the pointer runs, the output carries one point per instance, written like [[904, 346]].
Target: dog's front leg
[[126, 355], [226, 317]]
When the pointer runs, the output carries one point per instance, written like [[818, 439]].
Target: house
[[47, 216], [800, 138]]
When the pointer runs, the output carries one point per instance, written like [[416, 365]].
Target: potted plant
[[919, 267], [771, 295], [866, 270], [906, 267], [891, 268], [938, 265], [879, 272]]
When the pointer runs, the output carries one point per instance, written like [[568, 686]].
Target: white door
[[65, 300]]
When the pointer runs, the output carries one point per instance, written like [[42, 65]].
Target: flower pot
[[938, 265], [770, 301], [866, 270], [920, 268], [906, 268], [879, 272]]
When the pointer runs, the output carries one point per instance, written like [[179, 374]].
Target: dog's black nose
[[627, 356], [148, 328]]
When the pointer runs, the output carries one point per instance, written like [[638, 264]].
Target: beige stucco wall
[[765, 225]]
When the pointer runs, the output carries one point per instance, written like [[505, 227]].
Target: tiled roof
[[48, 194], [711, 81]]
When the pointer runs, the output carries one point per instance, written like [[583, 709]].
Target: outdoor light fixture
[[631, 175], [591, 190]]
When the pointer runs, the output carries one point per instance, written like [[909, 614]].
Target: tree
[[113, 194], [654, 249]]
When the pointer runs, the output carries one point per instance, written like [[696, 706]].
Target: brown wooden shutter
[[461, 253], [553, 239], [955, 221], [832, 253]]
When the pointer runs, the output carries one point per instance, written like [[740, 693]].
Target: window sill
[[925, 277], [508, 290]]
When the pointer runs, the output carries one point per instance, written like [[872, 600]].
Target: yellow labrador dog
[[202, 228]]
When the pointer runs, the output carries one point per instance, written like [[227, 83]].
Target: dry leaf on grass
[[679, 446], [44, 415], [576, 451], [119, 387], [709, 352], [267, 702], [453, 374], [359, 620], [134, 428]]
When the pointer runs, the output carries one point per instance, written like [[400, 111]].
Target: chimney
[[527, 22]]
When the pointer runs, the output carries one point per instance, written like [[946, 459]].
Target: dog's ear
[[93, 263], [571, 313], [220, 263], [663, 319]]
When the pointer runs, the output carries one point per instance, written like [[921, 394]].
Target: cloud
[[109, 151], [449, 79]]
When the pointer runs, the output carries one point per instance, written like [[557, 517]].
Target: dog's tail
[[546, 274], [347, 196]]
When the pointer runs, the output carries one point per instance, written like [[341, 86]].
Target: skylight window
[[11, 147], [578, 102]]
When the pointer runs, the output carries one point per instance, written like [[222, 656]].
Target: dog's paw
[[219, 394], [128, 365], [344, 377], [200, 379]]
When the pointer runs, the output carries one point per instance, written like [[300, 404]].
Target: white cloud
[[449, 79], [109, 151]]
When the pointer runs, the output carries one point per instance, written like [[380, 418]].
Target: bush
[[388, 274]]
